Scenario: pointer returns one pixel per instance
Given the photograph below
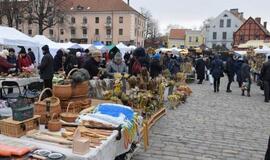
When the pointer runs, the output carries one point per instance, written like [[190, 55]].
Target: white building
[[220, 30]]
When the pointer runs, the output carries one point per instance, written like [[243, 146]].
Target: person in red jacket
[[24, 59], [4, 65]]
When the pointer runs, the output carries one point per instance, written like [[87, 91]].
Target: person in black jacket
[[92, 64], [217, 72], [265, 76], [32, 55], [58, 60], [46, 67], [155, 67], [246, 78], [229, 70], [200, 69]]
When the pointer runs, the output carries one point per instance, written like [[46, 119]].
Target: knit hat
[[22, 51], [45, 48], [96, 53], [118, 56]]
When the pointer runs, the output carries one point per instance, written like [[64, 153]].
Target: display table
[[108, 150], [21, 81]]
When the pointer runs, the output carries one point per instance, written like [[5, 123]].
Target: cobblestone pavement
[[212, 126]]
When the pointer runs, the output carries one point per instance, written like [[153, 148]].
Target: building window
[[214, 45], [121, 19], [190, 39], [224, 35], [109, 20], [84, 20], [197, 39], [84, 30], [242, 38], [30, 32], [221, 23], [51, 32], [214, 35], [121, 32], [61, 41], [97, 32], [108, 31], [97, 20], [61, 21], [73, 20], [29, 21], [72, 31], [229, 23], [62, 31]]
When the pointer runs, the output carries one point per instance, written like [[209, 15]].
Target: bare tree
[[12, 10], [45, 13], [152, 28]]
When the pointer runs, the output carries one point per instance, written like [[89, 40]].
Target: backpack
[[136, 67]]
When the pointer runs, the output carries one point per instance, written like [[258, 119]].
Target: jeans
[[216, 84], [266, 90], [230, 80]]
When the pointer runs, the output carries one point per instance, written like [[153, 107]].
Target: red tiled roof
[[177, 34], [97, 5]]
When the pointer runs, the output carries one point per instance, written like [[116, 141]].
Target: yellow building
[[193, 39], [177, 38]]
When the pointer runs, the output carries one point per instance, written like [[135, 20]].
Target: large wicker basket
[[41, 106], [63, 92]]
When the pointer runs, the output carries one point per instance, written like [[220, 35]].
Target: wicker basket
[[63, 92], [79, 104], [41, 106], [68, 116], [54, 125]]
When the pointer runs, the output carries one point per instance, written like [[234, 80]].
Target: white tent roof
[[102, 48], [13, 37], [132, 47], [123, 48], [264, 49], [86, 46], [69, 45]]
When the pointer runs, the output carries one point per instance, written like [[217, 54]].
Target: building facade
[[87, 21], [252, 29], [177, 38], [220, 30], [193, 39]]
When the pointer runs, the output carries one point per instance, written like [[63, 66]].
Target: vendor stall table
[[21, 81]]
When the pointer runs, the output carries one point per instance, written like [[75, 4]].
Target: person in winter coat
[[139, 60], [237, 65], [217, 72], [79, 58], [71, 62], [173, 65], [155, 67], [92, 64], [58, 60], [23, 59], [32, 55], [200, 69], [116, 65], [4, 64], [12, 58], [46, 67], [246, 78], [265, 76], [229, 70]]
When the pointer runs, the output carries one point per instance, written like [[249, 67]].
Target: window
[[97, 19], [109, 20], [50, 21], [214, 35], [242, 38], [108, 31], [73, 31], [84, 20], [61, 21], [229, 21], [62, 31], [197, 39], [61, 41], [221, 23], [84, 30], [224, 35], [51, 32], [30, 32], [97, 32], [190, 39], [120, 32], [214, 45], [29, 21], [73, 20], [121, 19]]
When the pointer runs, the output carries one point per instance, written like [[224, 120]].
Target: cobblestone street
[[212, 126]]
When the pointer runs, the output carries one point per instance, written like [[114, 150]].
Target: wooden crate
[[12, 128]]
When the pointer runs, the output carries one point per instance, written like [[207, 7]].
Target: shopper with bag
[[229, 70], [217, 72], [246, 78]]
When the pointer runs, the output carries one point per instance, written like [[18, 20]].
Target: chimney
[[241, 14], [234, 11], [265, 25], [128, 2], [258, 19]]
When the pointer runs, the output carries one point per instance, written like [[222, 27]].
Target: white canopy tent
[[123, 48], [264, 50], [86, 46], [132, 47], [43, 40]]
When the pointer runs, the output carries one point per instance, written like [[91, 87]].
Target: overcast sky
[[191, 13]]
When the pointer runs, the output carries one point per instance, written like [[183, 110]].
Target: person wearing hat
[[93, 63], [155, 66], [4, 64], [229, 70], [24, 60], [116, 65], [265, 76], [12, 58], [46, 67]]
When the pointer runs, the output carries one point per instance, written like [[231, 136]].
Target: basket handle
[[44, 90], [69, 104], [71, 71], [52, 118]]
